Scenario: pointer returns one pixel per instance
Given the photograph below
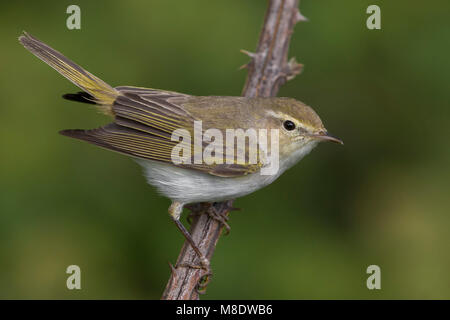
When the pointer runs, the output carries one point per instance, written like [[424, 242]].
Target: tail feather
[[103, 93], [80, 97]]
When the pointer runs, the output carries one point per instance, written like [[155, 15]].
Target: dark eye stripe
[[289, 125]]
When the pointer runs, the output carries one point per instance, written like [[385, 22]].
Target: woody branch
[[268, 69]]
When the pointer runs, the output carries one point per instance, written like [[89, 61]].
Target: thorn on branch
[[299, 17], [248, 53], [244, 66], [292, 68], [254, 57], [267, 71], [172, 269]]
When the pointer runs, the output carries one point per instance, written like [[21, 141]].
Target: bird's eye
[[289, 125]]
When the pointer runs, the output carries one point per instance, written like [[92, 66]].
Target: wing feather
[[144, 122]]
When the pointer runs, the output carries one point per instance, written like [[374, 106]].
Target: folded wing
[[144, 122]]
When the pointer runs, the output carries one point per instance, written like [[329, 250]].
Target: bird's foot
[[218, 215], [228, 206], [196, 209], [214, 210], [205, 277]]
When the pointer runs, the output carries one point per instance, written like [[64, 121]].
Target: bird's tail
[[100, 92]]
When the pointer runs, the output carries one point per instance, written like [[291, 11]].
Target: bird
[[145, 119]]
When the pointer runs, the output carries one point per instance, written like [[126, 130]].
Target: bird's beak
[[327, 137]]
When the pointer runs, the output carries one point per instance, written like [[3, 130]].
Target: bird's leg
[[175, 210]]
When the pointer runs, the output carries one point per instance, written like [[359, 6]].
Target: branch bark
[[268, 70]]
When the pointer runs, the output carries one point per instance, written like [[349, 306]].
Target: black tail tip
[[80, 97], [73, 133]]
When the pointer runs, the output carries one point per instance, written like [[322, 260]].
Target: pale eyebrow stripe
[[280, 115], [283, 116], [276, 115]]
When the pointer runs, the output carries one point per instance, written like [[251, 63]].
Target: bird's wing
[[144, 122]]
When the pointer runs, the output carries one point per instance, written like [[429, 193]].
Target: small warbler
[[145, 120]]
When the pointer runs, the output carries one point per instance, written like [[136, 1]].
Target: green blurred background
[[381, 199]]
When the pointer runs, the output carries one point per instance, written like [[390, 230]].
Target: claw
[[212, 212], [229, 206], [203, 283], [196, 210], [205, 278]]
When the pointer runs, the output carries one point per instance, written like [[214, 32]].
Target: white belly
[[190, 186]]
